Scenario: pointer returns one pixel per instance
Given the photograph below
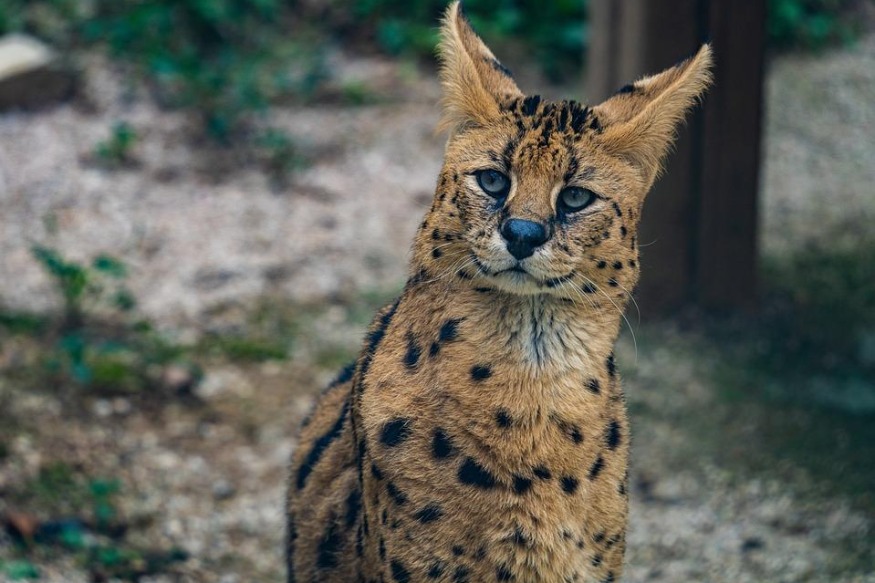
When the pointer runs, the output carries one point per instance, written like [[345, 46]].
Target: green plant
[[810, 24], [223, 60], [100, 342], [82, 287], [115, 151], [278, 155], [103, 493], [86, 523], [19, 570], [555, 32]]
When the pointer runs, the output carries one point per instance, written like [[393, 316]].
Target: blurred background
[[203, 201]]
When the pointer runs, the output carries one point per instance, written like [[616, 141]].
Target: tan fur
[[482, 433]]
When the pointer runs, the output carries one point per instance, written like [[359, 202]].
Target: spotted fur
[[482, 433]]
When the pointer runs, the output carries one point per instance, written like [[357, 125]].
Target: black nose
[[523, 237]]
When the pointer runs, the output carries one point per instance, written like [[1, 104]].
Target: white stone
[[29, 73]]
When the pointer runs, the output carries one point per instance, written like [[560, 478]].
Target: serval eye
[[575, 198], [493, 183]]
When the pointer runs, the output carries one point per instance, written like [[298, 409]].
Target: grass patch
[[243, 348], [97, 342], [790, 393], [62, 511], [812, 24]]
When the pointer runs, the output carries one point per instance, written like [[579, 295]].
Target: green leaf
[[110, 266], [20, 570]]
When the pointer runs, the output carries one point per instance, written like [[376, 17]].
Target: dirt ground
[[205, 245]]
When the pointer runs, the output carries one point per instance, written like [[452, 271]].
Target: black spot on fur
[[461, 574], [579, 115], [411, 358], [595, 125], [575, 434], [376, 472], [542, 472], [436, 253], [481, 372], [434, 349], [360, 540], [613, 282], [319, 447], [589, 288], [602, 264], [611, 365], [530, 105], [502, 573], [329, 547], [449, 331], [458, 550], [573, 166], [502, 418], [382, 549], [441, 446], [596, 468], [436, 570], [569, 484], [291, 537], [397, 495], [400, 574], [609, 578], [612, 435], [462, 274], [429, 513], [480, 554], [521, 485], [376, 336], [436, 234], [509, 150], [563, 119], [631, 88], [417, 278], [623, 231], [353, 506], [617, 265], [473, 474], [520, 538], [617, 210], [594, 386], [557, 281], [596, 560], [395, 431], [344, 376], [546, 131]]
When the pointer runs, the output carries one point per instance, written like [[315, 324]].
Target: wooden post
[[698, 233]]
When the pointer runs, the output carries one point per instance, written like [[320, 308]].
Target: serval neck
[[538, 334]]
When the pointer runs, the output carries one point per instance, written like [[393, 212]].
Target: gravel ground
[[204, 244]]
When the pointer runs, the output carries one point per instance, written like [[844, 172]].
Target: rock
[[102, 408], [223, 490], [30, 74]]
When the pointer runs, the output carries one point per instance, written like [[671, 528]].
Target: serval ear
[[473, 80], [640, 121]]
